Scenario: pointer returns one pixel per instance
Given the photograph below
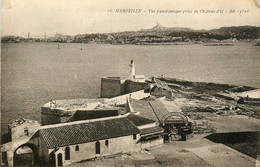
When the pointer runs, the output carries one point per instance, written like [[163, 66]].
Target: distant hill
[[159, 27], [250, 32], [238, 29], [156, 34]]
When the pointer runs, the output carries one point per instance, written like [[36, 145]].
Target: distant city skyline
[[84, 17]]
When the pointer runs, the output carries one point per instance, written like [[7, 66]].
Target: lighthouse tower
[[132, 70]]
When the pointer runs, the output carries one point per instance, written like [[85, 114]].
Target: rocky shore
[[222, 99]]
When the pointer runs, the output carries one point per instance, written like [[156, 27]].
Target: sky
[[72, 17]]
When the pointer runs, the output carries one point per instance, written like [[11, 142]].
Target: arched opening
[[106, 143], [77, 148], [25, 155], [134, 136], [52, 159]]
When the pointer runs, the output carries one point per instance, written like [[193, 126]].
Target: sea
[[32, 74]]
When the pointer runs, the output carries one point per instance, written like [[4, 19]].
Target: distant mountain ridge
[[237, 29], [154, 35], [159, 27], [234, 29]]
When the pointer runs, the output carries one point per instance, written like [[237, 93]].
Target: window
[[98, 147], [106, 143], [77, 148], [134, 136], [26, 132], [67, 153], [60, 163], [4, 157]]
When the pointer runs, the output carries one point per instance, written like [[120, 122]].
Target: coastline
[[196, 90]]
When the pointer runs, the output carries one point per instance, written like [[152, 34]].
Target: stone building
[[22, 128], [116, 86], [20, 132], [165, 114], [63, 144], [151, 134], [61, 111], [81, 129], [66, 143], [84, 136]]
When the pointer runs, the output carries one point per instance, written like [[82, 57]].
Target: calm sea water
[[35, 73]]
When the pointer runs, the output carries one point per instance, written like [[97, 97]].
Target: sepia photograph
[[117, 83]]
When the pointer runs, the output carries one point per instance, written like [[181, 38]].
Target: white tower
[[132, 70]]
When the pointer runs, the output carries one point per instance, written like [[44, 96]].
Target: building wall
[[151, 143], [114, 86], [111, 87], [132, 86], [55, 116], [18, 132], [43, 152], [123, 144]]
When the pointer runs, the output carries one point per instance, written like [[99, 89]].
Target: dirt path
[[234, 145], [198, 151]]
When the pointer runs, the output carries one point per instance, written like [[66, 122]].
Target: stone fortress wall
[[115, 86], [61, 111]]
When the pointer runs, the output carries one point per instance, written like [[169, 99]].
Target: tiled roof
[[87, 132], [159, 109], [152, 130], [138, 121], [143, 108]]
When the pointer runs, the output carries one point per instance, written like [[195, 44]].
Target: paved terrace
[[95, 103], [73, 104]]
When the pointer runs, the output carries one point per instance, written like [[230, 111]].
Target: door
[[98, 147], [52, 159], [60, 159]]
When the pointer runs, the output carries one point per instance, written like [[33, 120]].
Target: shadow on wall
[[244, 142], [5, 138]]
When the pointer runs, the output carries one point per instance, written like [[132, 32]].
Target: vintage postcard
[[130, 83]]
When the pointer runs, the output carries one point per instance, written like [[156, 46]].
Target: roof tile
[[152, 130], [138, 121], [87, 132]]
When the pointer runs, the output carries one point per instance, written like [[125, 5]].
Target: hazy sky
[[18, 17]]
